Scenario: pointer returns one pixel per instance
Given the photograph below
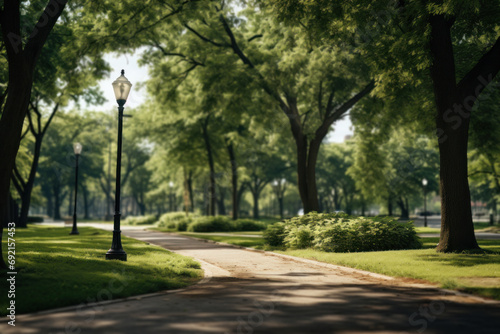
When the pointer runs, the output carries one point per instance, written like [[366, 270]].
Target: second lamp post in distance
[[121, 87], [424, 183], [77, 149]]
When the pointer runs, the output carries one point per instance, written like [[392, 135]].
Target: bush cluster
[[333, 232], [140, 220], [177, 221], [224, 224]]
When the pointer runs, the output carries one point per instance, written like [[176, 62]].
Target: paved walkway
[[254, 292]]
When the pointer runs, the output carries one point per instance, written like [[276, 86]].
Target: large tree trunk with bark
[[453, 103], [21, 64]]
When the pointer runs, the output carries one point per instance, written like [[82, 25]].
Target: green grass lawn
[[56, 269], [475, 273], [427, 230]]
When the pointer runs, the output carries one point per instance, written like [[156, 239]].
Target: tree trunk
[[11, 125], [25, 207], [255, 195], [280, 202], [306, 174], [234, 181], [389, 206], [403, 205], [221, 208], [21, 66], [457, 229], [212, 185], [241, 191], [187, 193]]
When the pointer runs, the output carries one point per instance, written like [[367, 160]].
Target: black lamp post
[[77, 148], [121, 86], [424, 183]]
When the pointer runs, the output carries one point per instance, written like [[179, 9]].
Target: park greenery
[[242, 97], [76, 272]]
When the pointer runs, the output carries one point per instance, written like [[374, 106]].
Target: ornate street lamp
[[121, 87], [424, 183], [77, 149]]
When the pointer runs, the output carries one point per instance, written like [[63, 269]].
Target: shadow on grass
[[462, 260]]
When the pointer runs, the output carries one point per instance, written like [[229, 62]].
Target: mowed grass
[[56, 269], [474, 273]]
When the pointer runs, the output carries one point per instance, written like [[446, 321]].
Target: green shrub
[[344, 233], [274, 235], [247, 225], [211, 224], [299, 237], [176, 220], [182, 225], [140, 220]]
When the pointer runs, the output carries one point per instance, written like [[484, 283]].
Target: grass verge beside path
[[473, 273], [55, 269]]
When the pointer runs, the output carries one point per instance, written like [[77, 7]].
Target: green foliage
[[69, 270], [274, 235], [140, 220], [343, 233], [247, 225], [362, 235], [177, 221], [224, 224], [211, 224]]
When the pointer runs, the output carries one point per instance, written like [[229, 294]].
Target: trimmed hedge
[[177, 221], [224, 224], [247, 225], [332, 232], [140, 220], [211, 224]]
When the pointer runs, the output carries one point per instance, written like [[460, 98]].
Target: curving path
[[255, 292]]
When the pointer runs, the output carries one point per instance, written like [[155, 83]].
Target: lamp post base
[[114, 254], [75, 228], [116, 251]]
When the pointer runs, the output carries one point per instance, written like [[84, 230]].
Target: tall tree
[[454, 47], [307, 86], [23, 46]]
